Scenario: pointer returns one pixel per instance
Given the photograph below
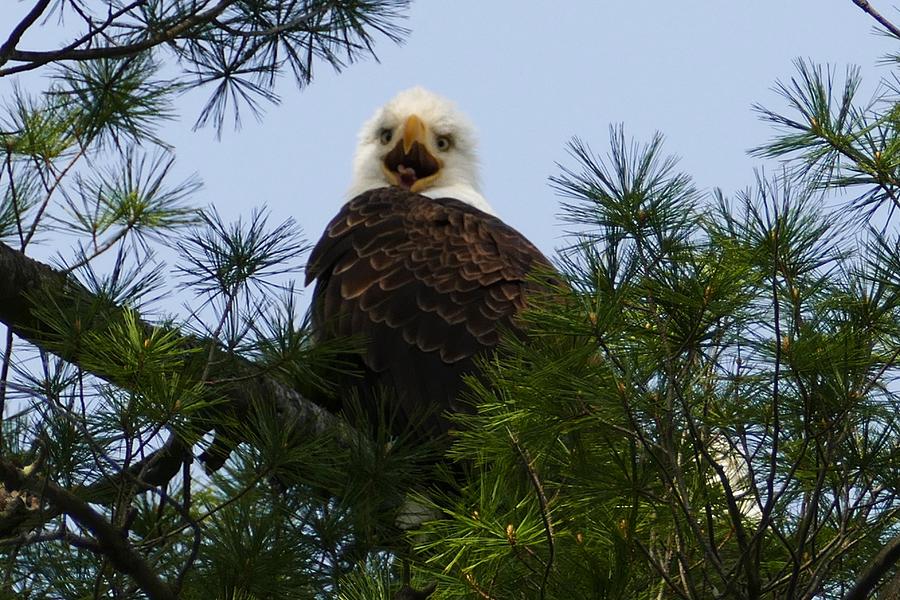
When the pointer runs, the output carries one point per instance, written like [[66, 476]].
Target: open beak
[[410, 164]]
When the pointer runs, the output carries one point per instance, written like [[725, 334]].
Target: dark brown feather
[[429, 284]]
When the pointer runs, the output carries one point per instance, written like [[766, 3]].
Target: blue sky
[[531, 75]]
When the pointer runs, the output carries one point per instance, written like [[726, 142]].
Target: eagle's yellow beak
[[413, 131], [411, 163]]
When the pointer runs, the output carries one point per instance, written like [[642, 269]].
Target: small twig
[[52, 188], [302, 20], [661, 570], [4, 375], [14, 196], [868, 9], [186, 514], [470, 579], [545, 513], [196, 521], [106, 247]]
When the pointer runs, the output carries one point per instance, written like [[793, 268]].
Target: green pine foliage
[[705, 405]]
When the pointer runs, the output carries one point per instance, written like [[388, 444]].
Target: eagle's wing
[[428, 284]]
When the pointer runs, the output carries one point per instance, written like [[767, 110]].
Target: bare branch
[[868, 9]]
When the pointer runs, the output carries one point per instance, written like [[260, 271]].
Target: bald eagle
[[417, 265]]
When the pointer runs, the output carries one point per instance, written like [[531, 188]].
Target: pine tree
[[705, 408]]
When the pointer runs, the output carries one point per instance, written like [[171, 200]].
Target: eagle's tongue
[[407, 175]]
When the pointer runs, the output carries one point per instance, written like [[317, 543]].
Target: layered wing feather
[[428, 285]]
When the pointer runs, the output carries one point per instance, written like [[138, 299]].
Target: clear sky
[[532, 74]]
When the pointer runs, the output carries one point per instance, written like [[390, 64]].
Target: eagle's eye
[[385, 136], [443, 143]]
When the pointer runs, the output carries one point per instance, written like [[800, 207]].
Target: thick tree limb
[[26, 285], [878, 568]]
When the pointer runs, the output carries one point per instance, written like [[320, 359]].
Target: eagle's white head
[[422, 142]]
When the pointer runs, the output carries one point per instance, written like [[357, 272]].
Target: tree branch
[[110, 540], [544, 506], [868, 9], [880, 565], [26, 285], [9, 45], [72, 52]]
